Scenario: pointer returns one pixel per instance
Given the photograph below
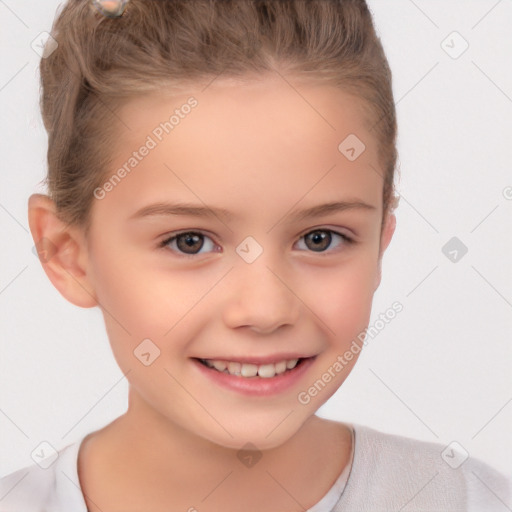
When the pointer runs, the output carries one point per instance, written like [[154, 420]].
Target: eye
[[320, 239], [188, 243]]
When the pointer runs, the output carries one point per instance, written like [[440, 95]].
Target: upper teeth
[[251, 370]]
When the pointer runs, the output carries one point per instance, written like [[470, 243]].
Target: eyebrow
[[193, 210]]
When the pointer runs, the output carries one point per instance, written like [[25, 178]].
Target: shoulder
[[395, 471], [44, 486]]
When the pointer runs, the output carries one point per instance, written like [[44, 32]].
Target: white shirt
[[386, 473]]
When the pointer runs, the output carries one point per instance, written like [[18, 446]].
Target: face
[[243, 279]]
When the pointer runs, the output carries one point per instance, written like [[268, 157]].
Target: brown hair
[[102, 61]]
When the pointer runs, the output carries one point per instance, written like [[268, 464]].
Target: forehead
[[269, 139]]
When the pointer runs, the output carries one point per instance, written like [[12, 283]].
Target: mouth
[[249, 370], [256, 376]]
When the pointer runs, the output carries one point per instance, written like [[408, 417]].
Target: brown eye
[[188, 243], [320, 239]]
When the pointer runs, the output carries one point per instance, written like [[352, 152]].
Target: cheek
[[134, 294], [130, 309], [343, 297], [140, 302]]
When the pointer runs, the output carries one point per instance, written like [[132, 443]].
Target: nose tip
[[261, 301], [261, 328]]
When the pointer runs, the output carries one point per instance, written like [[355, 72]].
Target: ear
[[62, 251], [385, 239]]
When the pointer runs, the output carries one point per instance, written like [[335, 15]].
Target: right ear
[[62, 251]]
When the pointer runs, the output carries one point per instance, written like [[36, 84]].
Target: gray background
[[440, 371]]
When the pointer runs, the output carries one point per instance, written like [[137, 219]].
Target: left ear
[[385, 239]]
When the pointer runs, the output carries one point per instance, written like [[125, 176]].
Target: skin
[[270, 153]]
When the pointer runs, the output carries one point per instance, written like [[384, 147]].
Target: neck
[[294, 475]]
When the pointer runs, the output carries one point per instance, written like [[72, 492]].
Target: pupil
[[189, 241], [319, 237]]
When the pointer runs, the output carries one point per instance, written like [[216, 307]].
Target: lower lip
[[257, 386]]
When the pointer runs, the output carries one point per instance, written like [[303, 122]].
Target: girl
[[220, 180]]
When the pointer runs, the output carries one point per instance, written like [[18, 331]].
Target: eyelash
[[164, 244]]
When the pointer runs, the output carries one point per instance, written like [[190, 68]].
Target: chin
[[263, 434]]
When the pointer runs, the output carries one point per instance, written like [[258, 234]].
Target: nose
[[261, 298]]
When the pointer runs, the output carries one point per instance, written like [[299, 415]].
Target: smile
[[265, 371], [270, 376]]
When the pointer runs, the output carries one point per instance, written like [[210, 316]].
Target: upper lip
[[275, 358]]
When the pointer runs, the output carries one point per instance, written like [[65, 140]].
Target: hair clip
[[110, 8]]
